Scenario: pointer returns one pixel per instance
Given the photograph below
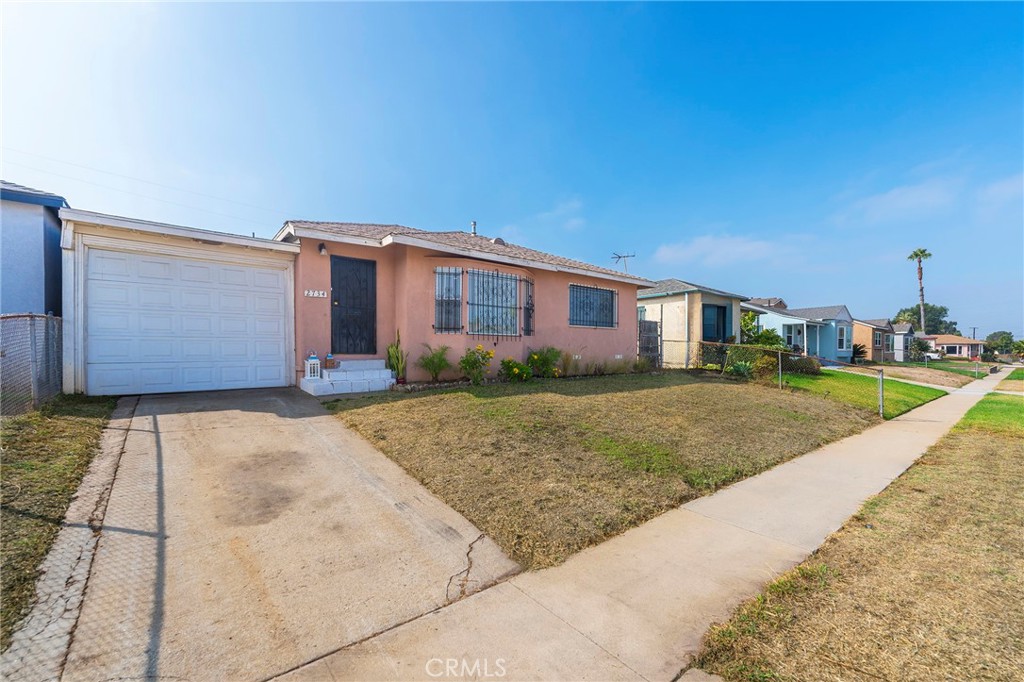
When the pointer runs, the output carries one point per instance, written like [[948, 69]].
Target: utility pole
[[973, 331]]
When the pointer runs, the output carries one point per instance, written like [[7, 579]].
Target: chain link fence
[[30, 361], [770, 364]]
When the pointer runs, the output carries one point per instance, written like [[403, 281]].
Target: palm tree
[[920, 255]]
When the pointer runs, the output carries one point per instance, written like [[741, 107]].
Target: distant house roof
[[671, 287], [781, 312], [455, 242], [10, 191], [770, 302], [903, 328], [881, 323], [944, 339], [829, 312]]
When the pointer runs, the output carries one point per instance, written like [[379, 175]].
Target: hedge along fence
[[757, 362], [769, 364]]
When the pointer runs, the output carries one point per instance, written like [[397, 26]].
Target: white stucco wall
[[22, 258]]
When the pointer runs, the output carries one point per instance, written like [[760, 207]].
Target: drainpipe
[[686, 327]]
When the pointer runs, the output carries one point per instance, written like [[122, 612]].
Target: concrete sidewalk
[[637, 606]]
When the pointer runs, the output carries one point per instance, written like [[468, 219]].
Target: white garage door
[[157, 324]]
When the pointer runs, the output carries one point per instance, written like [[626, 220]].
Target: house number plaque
[[315, 293]]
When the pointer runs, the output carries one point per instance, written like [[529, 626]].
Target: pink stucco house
[[356, 285]]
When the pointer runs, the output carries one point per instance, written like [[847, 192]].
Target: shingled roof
[[881, 323], [454, 241], [12, 191], [829, 312], [672, 286], [903, 327]]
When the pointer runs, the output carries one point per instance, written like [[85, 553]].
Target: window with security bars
[[528, 322], [448, 300], [592, 306], [492, 305]]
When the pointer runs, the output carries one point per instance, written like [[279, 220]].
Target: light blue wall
[[30, 259], [828, 335]]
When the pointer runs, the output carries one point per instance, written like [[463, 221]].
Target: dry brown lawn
[[935, 377], [925, 583], [551, 467], [1013, 385]]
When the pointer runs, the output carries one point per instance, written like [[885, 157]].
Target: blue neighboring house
[[30, 258], [825, 332]]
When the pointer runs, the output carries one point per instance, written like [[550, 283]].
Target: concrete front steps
[[351, 376]]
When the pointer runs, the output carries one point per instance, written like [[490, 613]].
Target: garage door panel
[[152, 297], [108, 265], [159, 324], [150, 268], [268, 327], [269, 279], [234, 277]]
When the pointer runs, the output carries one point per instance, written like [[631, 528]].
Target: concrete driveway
[[249, 532]]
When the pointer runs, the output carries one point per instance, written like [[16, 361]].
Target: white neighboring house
[[155, 308], [29, 250], [903, 334]]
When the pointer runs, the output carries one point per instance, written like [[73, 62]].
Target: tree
[[999, 342], [920, 255], [917, 349], [935, 318], [1018, 347], [768, 338]]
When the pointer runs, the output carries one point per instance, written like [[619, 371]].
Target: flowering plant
[[544, 362], [513, 370], [475, 363]]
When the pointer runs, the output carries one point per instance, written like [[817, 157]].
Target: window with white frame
[[844, 337], [890, 342], [878, 339]]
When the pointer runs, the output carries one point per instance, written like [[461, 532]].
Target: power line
[[129, 177], [247, 221]]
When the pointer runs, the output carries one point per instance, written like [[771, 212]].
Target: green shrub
[[712, 367], [766, 367], [741, 368], [513, 370], [475, 363], [434, 361], [642, 365], [800, 365], [544, 362], [858, 353]]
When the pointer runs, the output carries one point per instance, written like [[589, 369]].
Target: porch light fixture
[[322, 249]]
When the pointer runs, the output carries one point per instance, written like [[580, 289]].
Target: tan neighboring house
[[956, 346], [688, 314], [878, 339]]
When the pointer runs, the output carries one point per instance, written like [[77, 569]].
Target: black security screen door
[[353, 306]]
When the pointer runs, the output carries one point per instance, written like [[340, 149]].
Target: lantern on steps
[[312, 366]]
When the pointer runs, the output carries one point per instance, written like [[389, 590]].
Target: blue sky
[[794, 150]]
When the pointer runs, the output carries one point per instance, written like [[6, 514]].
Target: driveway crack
[[463, 575]]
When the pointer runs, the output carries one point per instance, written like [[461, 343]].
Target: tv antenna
[[622, 258]]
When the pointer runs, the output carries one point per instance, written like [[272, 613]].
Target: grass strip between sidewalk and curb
[[925, 582], [45, 455]]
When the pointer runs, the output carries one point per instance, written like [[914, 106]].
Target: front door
[[353, 306]]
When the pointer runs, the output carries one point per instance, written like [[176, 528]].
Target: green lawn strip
[[934, 555], [1016, 375], [45, 455], [862, 391]]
